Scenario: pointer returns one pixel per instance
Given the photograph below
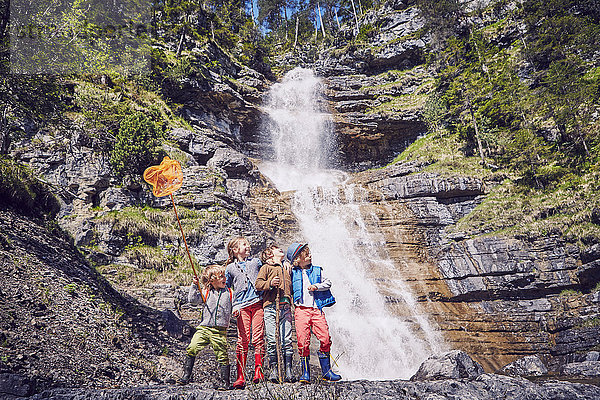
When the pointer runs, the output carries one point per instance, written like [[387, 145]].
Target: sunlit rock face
[[498, 298], [376, 90]]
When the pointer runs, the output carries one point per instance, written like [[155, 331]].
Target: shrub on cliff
[[138, 145], [20, 189]]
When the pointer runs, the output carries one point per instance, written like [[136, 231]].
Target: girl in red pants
[[240, 274], [311, 293]]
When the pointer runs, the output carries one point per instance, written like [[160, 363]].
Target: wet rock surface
[[485, 386], [376, 89], [499, 298]]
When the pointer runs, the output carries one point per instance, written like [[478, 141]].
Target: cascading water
[[368, 341]]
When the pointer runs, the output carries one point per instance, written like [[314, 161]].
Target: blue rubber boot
[[328, 374], [305, 377]]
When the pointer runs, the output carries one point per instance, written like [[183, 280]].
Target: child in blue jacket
[[311, 293]]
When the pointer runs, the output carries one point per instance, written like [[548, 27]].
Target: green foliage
[[138, 145], [434, 111], [365, 32], [569, 293], [20, 189], [71, 288]]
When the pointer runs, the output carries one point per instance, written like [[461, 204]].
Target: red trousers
[[307, 318], [250, 322]]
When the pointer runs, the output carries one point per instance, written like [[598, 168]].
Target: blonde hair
[[209, 272], [233, 244]]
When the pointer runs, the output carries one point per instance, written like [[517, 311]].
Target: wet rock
[[584, 368], [13, 386], [526, 366], [454, 364]]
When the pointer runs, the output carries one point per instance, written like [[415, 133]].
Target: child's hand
[[312, 288], [287, 266], [195, 281], [275, 281]]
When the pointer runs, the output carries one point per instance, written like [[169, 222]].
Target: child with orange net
[[216, 299]]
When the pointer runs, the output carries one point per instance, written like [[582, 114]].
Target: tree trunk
[[4, 132], [355, 17], [296, 36], [479, 146], [285, 19], [180, 45], [321, 21]]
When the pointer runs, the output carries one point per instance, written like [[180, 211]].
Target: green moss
[[152, 224], [130, 275], [591, 323], [570, 293], [512, 210]]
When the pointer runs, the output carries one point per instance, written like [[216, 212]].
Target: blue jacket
[[240, 276], [323, 298]]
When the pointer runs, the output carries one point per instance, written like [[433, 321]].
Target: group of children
[[261, 295]]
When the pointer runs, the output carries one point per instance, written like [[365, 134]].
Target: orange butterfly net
[[165, 178]]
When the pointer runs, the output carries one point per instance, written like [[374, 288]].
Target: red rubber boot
[[240, 382], [258, 374]]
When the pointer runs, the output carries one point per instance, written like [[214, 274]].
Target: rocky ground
[[63, 325], [452, 376]]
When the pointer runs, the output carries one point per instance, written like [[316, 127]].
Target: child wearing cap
[[311, 293]]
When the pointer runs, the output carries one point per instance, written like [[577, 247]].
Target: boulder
[[14, 386], [526, 366], [231, 161], [584, 368], [455, 364]]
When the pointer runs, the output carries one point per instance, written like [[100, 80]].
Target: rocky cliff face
[[130, 235], [498, 298], [377, 87]]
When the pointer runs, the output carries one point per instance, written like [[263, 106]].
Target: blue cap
[[293, 250]]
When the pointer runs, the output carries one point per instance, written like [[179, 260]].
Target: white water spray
[[368, 341]]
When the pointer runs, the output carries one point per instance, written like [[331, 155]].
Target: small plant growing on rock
[[71, 288], [138, 145]]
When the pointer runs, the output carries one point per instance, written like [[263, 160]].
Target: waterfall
[[369, 342]]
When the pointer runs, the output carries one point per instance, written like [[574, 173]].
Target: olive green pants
[[216, 337]]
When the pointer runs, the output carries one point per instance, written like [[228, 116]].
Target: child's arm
[[263, 280], [194, 295], [325, 284], [228, 277]]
